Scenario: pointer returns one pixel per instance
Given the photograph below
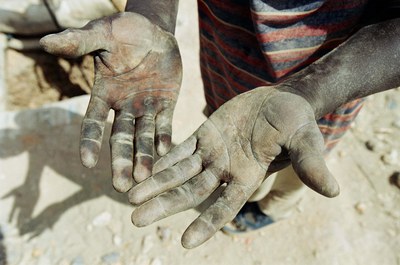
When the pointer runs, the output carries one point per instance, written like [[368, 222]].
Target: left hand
[[250, 136], [138, 75]]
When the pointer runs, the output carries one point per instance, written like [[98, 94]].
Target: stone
[[394, 179], [396, 123], [156, 261], [62, 262], [147, 244], [89, 227], [390, 158], [360, 207], [102, 219], [111, 258], [142, 260], [391, 232], [78, 261], [117, 240], [391, 104], [164, 233], [375, 145], [36, 253], [384, 130]]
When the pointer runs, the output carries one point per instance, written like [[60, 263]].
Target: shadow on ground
[[49, 142]]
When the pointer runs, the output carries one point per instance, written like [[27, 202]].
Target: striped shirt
[[250, 43]]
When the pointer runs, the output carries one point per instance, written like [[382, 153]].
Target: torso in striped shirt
[[250, 43]]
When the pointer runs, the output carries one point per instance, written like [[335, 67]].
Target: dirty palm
[[138, 74], [143, 93], [141, 84]]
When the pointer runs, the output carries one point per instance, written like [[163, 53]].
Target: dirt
[[36, 78]]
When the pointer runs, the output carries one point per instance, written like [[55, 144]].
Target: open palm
[[138, 75]]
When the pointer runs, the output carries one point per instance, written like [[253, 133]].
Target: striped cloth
[[250, 43]]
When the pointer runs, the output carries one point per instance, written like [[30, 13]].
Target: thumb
[[72, 43], [306, 153]]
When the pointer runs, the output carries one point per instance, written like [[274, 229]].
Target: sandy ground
[[54, 211]]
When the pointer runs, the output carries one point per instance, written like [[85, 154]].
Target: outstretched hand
[[250, 136], [138, 75]]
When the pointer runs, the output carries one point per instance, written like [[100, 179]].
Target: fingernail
[[334, 190], [134, 197], [144, 215], [143, 168], [197, 233], [192, 239], [163, 144], [89, 160], [49, 42], [122, 174], [88, 157], [162, 149], [122, 183]]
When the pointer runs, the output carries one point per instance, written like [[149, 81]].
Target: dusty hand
[[255, 133], [138, 75]]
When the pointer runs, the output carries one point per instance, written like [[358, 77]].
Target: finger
[[216, 216], [92, 131], [121, 142], [78, 42], [306, 154], [164, 131], [165, 180], [144, 144], [178, 153], [187, 196]]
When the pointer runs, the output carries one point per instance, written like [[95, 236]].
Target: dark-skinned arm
[[263, 130], [161, 13], [367, 63]]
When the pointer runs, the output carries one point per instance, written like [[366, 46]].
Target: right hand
[[249, 137], [138, 75]]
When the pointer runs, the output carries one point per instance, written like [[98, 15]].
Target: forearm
[[369, 62], [161, 13]]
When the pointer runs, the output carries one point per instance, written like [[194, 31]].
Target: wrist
[[365, 64], [310, 95], [161, 13]]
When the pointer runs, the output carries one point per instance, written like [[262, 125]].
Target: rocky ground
[[54, 211]]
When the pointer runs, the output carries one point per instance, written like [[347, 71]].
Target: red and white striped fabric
[[250, 43]]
